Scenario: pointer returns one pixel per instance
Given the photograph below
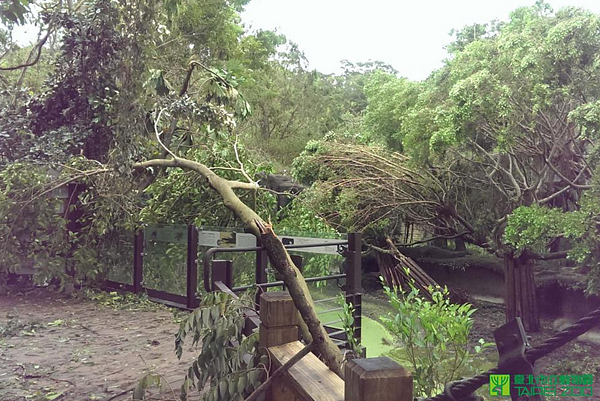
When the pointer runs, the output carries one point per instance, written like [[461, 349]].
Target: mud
[[68, 348]]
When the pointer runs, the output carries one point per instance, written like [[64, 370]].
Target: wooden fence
[[369, 379]]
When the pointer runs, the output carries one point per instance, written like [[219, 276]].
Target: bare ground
[[64, 348]]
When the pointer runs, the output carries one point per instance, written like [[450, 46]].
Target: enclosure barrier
[[304, 376], [297, 374], [517, 357], [222, 270]]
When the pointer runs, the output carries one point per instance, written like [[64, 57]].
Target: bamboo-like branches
[[382, 185]]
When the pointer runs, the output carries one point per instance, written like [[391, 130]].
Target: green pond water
[[372, 331]]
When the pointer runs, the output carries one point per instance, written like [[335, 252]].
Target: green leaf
[[241, 383], [223, 389], [232, 387]]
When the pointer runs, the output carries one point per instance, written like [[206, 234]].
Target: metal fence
[[170, 254]]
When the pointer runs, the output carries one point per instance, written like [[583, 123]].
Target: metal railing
[[349, 248], [220, 272]]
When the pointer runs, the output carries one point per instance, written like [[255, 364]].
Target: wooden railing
[[369, 379]]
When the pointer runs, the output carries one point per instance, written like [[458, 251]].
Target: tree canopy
[[171, 111], [505, 131]]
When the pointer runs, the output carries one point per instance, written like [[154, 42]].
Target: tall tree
[[513, 116], [111, 100]]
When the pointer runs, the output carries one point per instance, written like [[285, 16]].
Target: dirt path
[[61, 348]]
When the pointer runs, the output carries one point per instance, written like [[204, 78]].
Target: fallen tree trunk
[[278, 255]]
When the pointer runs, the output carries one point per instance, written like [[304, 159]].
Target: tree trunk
[[459, 245], [300, 293], [278, 255], [520, 297], [439, 242]]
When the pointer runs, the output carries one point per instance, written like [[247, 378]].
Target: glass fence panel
[[165, 258], [117, 256]]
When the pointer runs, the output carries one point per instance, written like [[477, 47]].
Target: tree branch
[[198, 167], [279, 257], [39, 46], [547, 256], [424, 241], [565, 179]]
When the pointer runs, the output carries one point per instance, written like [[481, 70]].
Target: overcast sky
[[408, 34]]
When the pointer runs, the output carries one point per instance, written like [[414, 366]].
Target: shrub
[[229, 365], [32, 233], [431, 336], [347, 316]]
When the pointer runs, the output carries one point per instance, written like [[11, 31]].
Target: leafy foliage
[[508, 124], [431, 335], [14, 11], [347, 316], [177, 197], [33, 233], [73, 115], [531, 227], [73, 239], [229, 362], [534, 227], [389, 99], [300, 219]]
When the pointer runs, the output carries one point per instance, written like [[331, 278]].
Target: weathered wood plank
[[309, 378], [277, 309], [377, 379], [279, 325], [270, 337]]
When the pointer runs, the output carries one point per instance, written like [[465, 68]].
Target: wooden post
[[377, 379], [278, 325], [278, 319], [222, 270], [298, 261], [353, 276], [138, 261], [192, 268]]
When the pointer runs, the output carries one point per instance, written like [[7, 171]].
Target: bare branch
[[565, 179], [195, 166], [547, 256], [237, 157], [459, 235], [158, 134], [38, 46]]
